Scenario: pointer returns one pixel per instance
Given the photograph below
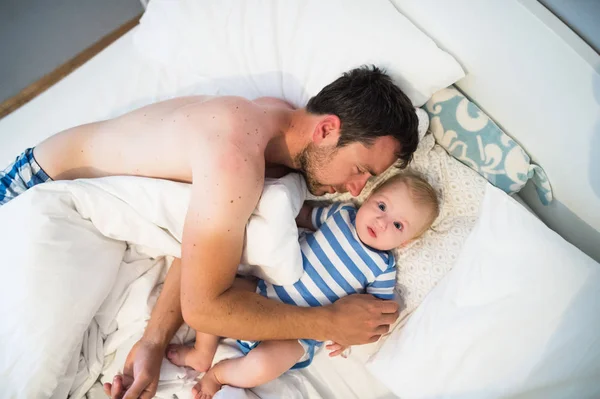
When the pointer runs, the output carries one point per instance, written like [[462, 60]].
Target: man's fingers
[[116, 389], [147, 394], [127, 381], [137, 388], [374, 338], [382, 329], [128, 372], [389, 318], [388, 307], [106, 387], [150, 390]]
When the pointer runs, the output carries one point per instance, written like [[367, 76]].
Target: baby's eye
[[398, 225], [381, 206]]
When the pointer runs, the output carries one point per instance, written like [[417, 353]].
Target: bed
[[141, 67]]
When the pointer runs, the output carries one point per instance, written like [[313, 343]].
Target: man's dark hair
[[369, 106]]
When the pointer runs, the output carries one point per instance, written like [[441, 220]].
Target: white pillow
[[424, 262], [518, 315], [292, 49]]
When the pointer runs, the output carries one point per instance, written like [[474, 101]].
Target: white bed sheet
[[115, 81], [345, 378]]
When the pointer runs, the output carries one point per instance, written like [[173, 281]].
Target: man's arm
[[166, 317], [220, 206]]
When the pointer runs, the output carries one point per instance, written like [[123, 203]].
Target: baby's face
[[389, 218]]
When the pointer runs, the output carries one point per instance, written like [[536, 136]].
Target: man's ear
[[327, 131]]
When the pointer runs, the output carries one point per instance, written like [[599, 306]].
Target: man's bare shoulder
[[226, 134], [223, 103], [230, 134], [226, 110], [273, 102], [222, 113], [237, 121]]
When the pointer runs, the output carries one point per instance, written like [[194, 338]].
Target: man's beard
[[310, 160]]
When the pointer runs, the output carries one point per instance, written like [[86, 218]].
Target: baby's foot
[[207, 386], [183, 355]]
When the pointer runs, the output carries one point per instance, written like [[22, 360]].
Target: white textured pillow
[[423, 263], [292, 49], [518, 316]]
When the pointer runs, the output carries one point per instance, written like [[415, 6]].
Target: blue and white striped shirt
[[336, 263]]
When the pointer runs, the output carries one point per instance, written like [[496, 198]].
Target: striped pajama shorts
[[20, 176]]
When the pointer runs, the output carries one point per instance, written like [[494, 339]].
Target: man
[[355, 128]]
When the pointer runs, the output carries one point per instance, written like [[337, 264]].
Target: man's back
[[164, 140]]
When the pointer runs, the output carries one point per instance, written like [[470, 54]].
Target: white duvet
[[83, 262]]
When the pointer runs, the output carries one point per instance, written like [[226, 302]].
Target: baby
[[348, 253]]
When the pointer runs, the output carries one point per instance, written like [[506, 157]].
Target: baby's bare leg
[[200, 356], [268, 361]]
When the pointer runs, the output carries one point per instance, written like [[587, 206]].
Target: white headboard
[[541, 84]]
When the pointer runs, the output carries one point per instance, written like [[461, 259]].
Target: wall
[[36, 36], [583, 16], [540, 83]]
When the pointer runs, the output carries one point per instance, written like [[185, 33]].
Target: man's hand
[[361, 319], [140, 373]]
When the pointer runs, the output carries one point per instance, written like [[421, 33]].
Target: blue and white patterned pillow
[[470, 136]]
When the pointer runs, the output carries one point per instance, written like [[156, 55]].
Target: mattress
[[115, 81]]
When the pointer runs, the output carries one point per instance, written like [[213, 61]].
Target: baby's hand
[[337, 349]]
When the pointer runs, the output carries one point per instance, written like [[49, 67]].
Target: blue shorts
[[20, 176], [309, 346]]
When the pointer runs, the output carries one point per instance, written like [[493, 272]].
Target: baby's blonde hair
[[421, 192]]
